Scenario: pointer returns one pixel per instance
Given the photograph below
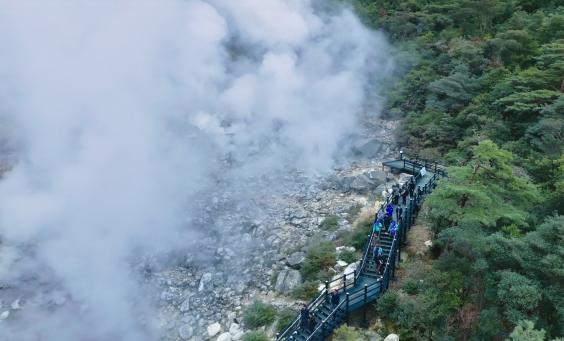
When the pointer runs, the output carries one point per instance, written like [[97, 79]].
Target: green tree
[[525, 331]]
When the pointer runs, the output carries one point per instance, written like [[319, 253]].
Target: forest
[[481, 90]]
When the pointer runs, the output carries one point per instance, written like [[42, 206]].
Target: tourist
[[304, 318], [395, 194], [399, 213], [380, 263], [380, 215], [411, 186], [393, 229], [387, 220], [335, 299], [404, 194], [390, 209], [376, 228]]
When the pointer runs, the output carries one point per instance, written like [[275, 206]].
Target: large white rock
[[4, 315], [213, 329], [224, 337], [392, 337], [234, 328]]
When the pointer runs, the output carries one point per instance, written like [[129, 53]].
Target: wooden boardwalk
[[365, 285]]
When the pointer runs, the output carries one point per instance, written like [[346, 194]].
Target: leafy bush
[[330, 223], [411, 287], [388, 304], [346, 333], [348, 256], [306, 291], [258, 314], [285, 316], [319, 257], [255, 336], [358, 237]]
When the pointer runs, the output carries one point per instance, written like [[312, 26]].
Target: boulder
[[369, 148], [205, 282], [288, 280], [392, 337], [362, 184], [295, 259], [234, 328], [224, 337], [185, 332], [213, 329], [4, 315]]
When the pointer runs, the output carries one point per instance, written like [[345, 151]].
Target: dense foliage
[[258, 314], [482, 90]]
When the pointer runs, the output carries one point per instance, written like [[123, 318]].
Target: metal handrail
[[325, 320], [385, 277]]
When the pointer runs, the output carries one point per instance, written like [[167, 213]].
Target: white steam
[[124, 110]]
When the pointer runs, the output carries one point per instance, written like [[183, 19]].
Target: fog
[[125, 112]]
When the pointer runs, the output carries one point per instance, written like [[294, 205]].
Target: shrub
[[436, 249], [330, 223], [411, 287], [358, 237], [348, 256], [255, 336], [306, 291], [258, 314], [388, 304], [346, 333], [319, 257], [285, 316]]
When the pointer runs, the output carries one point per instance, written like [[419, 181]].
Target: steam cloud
[[126, 110]]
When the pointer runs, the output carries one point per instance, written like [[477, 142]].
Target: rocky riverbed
[[253, 237]]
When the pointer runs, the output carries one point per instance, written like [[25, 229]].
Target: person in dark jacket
[[387, 221], [411, 187], [335, 299], [404, 195], [399, 213], [304, 318], [380, 263]]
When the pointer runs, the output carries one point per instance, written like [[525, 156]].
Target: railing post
[[381, 292], [411, 201], [344, 282], [365, 300], [399, 246], [327, 291], [277, 336], [347, 307], [354, 277]]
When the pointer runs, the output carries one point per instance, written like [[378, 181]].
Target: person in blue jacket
[[390, 209], [393, 229]]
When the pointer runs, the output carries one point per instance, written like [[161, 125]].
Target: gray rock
[[295, 259], [362, 184], [392, 337], [288, 280], [185, 332], [205, 282], [369, 148], [224, 337]]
